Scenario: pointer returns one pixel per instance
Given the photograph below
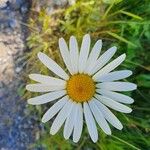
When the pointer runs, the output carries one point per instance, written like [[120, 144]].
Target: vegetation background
[[124, 23]]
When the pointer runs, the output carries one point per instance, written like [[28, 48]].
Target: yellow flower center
[[80, 87]]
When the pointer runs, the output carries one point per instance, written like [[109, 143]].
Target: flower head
[[85, 92]]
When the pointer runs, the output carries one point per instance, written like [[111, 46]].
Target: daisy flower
[[85, 92]]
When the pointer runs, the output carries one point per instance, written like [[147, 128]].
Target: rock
[[16, 130], [13, 23], [3, 4], [49, 10], [3, 50], [4, 148], [60, 2], [18, 69], [16, 4], [24, 8]]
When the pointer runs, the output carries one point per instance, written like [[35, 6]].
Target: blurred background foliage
[[125, 24]]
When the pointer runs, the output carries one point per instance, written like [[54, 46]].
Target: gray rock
[[24, 8], [12, 23], [18, 69], [16, 4], [3, 4], [17, 131]]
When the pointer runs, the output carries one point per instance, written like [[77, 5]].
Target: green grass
[[126, 25]]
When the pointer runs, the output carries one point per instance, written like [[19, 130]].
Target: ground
[[17, 128]]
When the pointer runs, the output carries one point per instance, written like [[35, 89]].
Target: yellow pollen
[[80, 87]]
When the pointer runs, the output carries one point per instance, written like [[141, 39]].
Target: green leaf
[[21, 90], [143, 80], [112, 1], [120, 38], [131, 15]]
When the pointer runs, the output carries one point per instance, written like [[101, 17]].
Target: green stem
[[107, 11], [146, 68]]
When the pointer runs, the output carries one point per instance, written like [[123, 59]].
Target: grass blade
[[131, 15], [120, 38], [121, 140]]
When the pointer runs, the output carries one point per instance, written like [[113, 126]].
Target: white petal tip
[[61, 39], [129, 111], [31, 75], [114, 48], [44, 120], [108, 132], [72, 37], [86, 36], [66, 137], [52, 132], [94, 140], [123, 55], [120, 127], [131, 101], [40, 54], [130, 72], [135, 86], [27, 86], [30, 102], [75, 141]]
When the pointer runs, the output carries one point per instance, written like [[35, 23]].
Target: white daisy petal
[[69, 124], [54, 109], [109, 67], [93, 56], [61, 117], [103, 59], [116, 75], [116, 96], [47, 79], [84, 52], [113, 104], [44, 88], [53, 66], [65, 54], [117, 86], [78, 124], [45, 98], [99, 117], [90, 123], [109, 116], [74, 53]]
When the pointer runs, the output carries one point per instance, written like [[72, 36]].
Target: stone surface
[[51, 5], [18, 129], [3, 3]]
